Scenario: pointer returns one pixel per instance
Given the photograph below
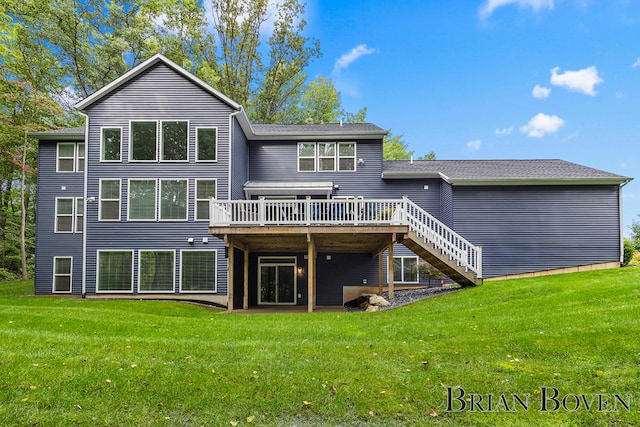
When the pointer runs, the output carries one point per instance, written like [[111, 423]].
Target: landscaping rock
[[372, 308], [378, 301]]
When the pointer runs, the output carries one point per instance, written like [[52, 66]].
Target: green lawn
[[79, 362]]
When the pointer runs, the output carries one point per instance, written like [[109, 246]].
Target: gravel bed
[[404, 297]]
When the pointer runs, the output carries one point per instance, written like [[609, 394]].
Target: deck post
[[311, 274], [230, 267], [380, 275], [245, 296], [390, 268]]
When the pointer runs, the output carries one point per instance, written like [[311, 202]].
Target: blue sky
[[493, 79]]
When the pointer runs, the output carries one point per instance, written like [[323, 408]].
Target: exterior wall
[[528, 229], [240, 162], [48, 243], [158, 93]]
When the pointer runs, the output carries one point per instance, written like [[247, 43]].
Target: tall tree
[[396, 148]]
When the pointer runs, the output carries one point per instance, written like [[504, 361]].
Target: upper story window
[[143, 137], [143, 140], [173, 199], [142, 200], [175, 137], [206, 144], [69, 215], [205, 191], [111, 144], [326, 156], [109, 200], [70, 157]]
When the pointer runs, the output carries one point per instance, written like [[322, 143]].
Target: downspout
[[620, 221], [85, 204]]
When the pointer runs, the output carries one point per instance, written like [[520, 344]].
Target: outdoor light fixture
[[361, 162], [190, 240]]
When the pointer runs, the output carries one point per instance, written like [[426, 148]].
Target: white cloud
[[347, 59], [636, 64], [577, 81], [487, 8], [474, 145], [542, 124], [504, 131], [540, 92]]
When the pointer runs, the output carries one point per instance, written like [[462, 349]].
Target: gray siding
[[240, 162], [527, 229], [158, 93], [48, 243]]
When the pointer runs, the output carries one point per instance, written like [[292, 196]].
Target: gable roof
[[134, 72], [500, 172]]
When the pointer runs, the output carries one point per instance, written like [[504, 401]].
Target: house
[[170, 192]]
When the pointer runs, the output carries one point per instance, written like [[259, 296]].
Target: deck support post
[[380, 273], [390, 268], [311, 274], [230, 267], [245, 296]]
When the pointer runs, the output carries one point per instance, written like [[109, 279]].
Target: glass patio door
[[277, 280]]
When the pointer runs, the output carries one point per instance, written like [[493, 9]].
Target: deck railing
[[353, 211]]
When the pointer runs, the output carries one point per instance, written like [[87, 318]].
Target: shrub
[[627, 252]]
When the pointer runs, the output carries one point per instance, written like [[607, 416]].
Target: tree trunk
[[23, 222]]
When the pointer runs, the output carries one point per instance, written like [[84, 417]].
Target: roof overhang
[[288, 188], [57, 136], [134, 72], [505, 181]]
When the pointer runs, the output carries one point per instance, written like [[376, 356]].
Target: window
[[142, 199], [327, 157], [143, 141], [175, 135], [156, 271], [173, 199], [111, 146], [70, 157], [115, 271], [109, 200], [198, 271], [306, 157], [80, 157], [347, 156], [205, 191], [69, 215], [206, 144], [405, 269], [62, 268]]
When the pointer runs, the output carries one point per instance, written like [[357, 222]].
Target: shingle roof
[[318, 128], [477, 172], [74, 134]]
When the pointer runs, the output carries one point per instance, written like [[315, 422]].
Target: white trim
[[98, 252], [215, 276], [315, 156], [54, 275], [161, 141], [76, 164], [186, 210], [72, 158], [320, 157], [57, 214], [131, 160], [110, 200], [197, 160], [78, 200], [293, 262], [355, 156], [173, 276], [102, 159], [207, 200], [155, 201]]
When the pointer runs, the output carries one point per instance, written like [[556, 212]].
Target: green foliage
[[87, 362], [427, 273], [628, 251], [635, 234]]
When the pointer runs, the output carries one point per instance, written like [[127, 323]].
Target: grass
[[149, 363]]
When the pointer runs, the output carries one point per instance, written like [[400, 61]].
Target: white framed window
[[69, 215], [205, 191], [306, 157], [70, 157], [141, 201], [405, 269], [173, 199], [114, 271], [347, 156], [143, 141], [62, 274], [156, 270], [109, 208], [206, 144], [326, 157], [110, 144], [174, 137], [198, 271]]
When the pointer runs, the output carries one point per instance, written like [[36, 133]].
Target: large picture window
[[115, 271], [143, 141], [142, 199], [198, 271], [109, 200], [62, 274], [175, 135], [173, 199], [205, 191], [156, 271], [405, 269], [111, 146], [206, 144]]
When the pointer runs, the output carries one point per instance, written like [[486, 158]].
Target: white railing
[[353, 211]]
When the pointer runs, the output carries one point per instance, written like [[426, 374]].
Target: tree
[[395, 148], [635, 234]]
